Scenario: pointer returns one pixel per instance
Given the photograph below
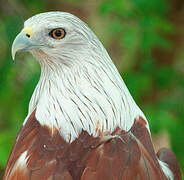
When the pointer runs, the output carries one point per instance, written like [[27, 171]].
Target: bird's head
[[59, 35]]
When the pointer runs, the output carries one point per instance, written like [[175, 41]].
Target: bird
[[82, 122]]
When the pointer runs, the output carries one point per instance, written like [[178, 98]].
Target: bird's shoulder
[[39, 153]]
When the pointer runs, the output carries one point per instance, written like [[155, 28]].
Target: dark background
[[145, 39]]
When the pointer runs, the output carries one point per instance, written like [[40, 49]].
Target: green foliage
[[135, 32]]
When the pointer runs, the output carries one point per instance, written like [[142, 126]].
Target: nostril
[[28, 35]]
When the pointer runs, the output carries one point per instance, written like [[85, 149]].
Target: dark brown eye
[[58, 33]]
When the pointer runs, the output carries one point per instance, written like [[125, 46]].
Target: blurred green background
[[145, 39]]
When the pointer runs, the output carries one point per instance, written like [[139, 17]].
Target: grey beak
[[21, 43]]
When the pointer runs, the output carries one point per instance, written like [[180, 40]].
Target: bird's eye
[[58, 33]]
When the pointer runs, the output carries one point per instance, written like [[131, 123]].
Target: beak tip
[[14, 48]]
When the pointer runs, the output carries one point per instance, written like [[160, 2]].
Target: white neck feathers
[[90, 96]]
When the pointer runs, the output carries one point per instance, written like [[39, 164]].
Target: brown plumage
[[126, 155]]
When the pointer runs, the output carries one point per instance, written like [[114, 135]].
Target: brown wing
[[168, 157], [39, 155], [129, 156], [124, 157]]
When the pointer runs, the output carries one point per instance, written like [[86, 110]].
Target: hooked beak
[[24, 42], [21, 43]]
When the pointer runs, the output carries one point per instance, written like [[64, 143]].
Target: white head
[[80, 88], [58, 36]]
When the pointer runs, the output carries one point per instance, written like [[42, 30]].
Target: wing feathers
[[38, 154], [167, 156]]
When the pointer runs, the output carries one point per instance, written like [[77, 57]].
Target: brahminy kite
[[82, 122]]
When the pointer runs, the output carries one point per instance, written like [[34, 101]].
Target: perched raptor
[[82, 122]]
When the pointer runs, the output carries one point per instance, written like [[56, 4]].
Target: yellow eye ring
[[57, 33]]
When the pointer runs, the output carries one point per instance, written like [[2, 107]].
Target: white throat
[[91, 97]]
